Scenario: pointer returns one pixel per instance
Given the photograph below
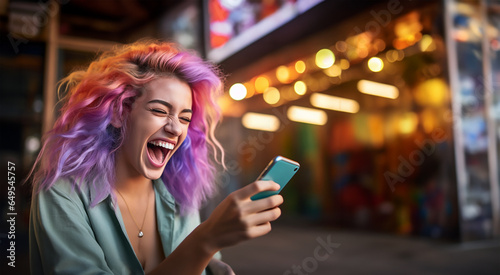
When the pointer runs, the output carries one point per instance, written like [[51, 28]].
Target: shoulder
[[64, 191]]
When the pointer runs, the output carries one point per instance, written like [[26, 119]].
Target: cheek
[[137, 134], [182, 137], [132, 145], [145, 127], [184, 133]]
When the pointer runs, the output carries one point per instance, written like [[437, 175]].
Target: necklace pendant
[[140, 234]]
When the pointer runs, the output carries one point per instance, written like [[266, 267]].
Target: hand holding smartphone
[[279, 170]]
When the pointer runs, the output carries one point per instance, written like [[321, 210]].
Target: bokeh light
[[378, 89], [262, 122], [333, 71], [282, 74], [341, 46], [324, 58], [250, 89], [344, 64], [307, 115], [375, 64], [392, 55], [408, 123], [272, 95], [300, 87], [238, 91], [432, 92], [427, 43], [334, 103], [261, 84], [300, 66], [32, 144]]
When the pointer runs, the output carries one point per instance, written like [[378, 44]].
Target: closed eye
[[186, 119], [158, 111]]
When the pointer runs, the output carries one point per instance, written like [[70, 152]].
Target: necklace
[[141, 234]]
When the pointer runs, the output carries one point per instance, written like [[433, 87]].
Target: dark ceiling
[[110, 19], [126, 20]]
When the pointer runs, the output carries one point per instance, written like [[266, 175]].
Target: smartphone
[[279, 170]]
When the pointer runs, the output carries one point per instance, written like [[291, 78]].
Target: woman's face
[[156, 127]]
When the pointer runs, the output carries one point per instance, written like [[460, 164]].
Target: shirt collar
[[163, 193], [93, 194]]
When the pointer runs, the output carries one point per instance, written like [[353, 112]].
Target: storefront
[[377, 110]]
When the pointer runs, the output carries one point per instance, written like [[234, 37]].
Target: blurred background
[[392, 108]]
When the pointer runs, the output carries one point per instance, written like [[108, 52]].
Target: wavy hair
[[82, 144]]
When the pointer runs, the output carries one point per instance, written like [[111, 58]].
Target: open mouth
[[158, 151]]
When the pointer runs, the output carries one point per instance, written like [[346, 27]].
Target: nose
[[173, 126]]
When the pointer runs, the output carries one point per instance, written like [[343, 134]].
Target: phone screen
[[279, 170]]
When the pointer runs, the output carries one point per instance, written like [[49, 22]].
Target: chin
[[154, 175]]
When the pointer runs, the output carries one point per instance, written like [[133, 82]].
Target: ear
[[116, 121], [122, 107]]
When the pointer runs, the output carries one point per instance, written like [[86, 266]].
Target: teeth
[[163, 144]]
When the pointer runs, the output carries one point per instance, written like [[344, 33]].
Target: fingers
[[263, 204], [257, 187], [259, 230], [248, 207], [258, 224], [264, 217]]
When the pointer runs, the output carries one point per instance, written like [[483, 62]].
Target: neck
[[129, 181], [133, 185]]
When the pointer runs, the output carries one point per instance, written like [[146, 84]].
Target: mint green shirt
[[67, 236]]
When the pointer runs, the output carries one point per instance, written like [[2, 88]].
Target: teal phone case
[[279, 170]]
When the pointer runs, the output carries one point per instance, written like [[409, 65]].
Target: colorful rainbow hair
[[82, 144]]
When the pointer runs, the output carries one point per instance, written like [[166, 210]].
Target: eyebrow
[[168, 105]]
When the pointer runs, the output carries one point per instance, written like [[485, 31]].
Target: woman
[[127, 165]]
